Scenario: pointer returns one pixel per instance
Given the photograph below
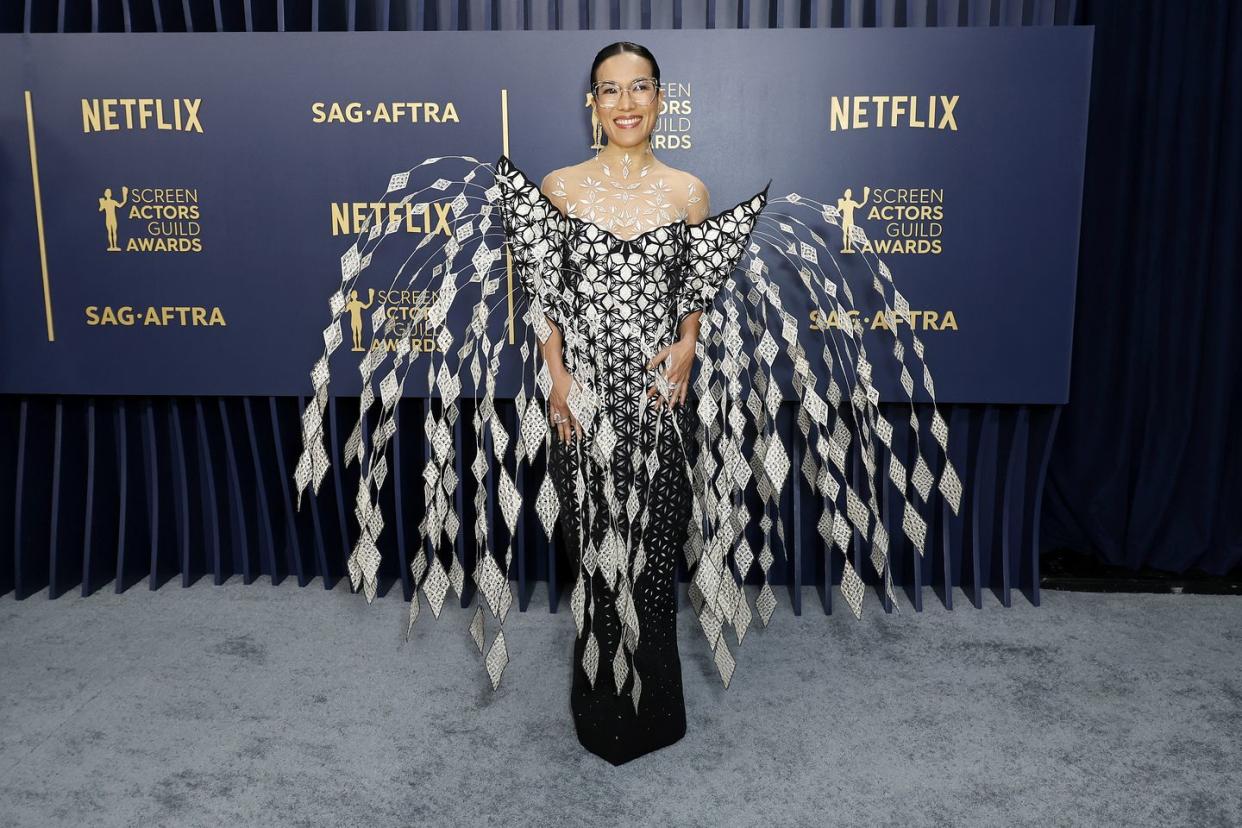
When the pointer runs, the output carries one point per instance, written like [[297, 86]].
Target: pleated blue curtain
[[473, 15], [1147, 469]]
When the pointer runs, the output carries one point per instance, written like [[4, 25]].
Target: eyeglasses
[[642, 92]]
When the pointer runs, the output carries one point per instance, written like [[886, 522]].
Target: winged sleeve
[[534, 230], [713, 249]]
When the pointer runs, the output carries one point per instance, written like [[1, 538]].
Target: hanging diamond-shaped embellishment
[[302, 475], [767, 349], [620, 667], [914, 526], [497, 658], [636, 690], [897, 473], [418, 566], [744, 557], [349, 263], [742, 617], [332, 335], [765, 556], [506, 597], [476, 371], [922, 478], [576, 601], [590, 657], [852, 588], [857, 511], [950, 486], [825, 526], [533, 428], [435, 587], [724, 661], [607, 551], [628, 613], [547, 505], [398, 181], [510, 500], [940, 429], [776, 463], [640, 554], [879, 549], [590, 558], [479, 466], [457, 576], [490, 580], [476, 626], [765, 603]]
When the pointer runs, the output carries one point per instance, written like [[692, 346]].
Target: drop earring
[[597, 129]]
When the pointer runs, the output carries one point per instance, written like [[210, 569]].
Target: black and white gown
[[616, 302], [644, 485]]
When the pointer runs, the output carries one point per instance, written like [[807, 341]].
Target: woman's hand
[[558, 407], [679, 362]]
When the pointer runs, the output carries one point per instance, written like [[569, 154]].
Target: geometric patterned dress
[[624, 488]]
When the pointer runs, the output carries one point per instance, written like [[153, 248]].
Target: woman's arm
[[679, 356], [553, 353], [698, 210], [552, 348]]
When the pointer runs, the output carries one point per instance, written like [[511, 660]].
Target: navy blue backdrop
[[1145, 468], [969, 186]]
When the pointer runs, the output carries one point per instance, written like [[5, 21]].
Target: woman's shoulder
[[697, 197], [556, 179], [553, 185], [669, 169], [681, 176]]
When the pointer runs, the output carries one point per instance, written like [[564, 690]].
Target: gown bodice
[[616, 300]]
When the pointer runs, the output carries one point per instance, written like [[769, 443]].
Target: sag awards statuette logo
[[355, 308], [162, 219], [911, 220], [405, 318], [171, 114]]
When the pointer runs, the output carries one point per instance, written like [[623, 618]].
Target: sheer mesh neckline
[[505, 160]]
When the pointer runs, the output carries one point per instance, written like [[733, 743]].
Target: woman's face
[[627, 124]]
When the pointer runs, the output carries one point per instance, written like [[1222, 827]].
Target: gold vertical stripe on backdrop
[[504, 141], [38, 202]]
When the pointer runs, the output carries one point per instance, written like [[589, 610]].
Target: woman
[[626, 285], [629, 280]]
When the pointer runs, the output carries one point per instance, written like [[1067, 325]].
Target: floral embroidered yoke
[[628, 196]]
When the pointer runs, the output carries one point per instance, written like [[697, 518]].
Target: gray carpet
[[261, 705]]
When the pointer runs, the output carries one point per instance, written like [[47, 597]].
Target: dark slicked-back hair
[[621, 47]]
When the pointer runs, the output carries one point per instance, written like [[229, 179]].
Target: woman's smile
[[627, 121]]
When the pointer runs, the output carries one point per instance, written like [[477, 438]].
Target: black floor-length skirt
[[606, 722]]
